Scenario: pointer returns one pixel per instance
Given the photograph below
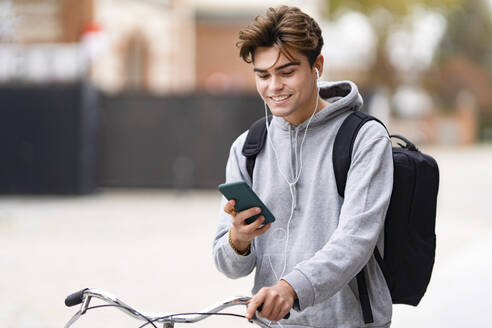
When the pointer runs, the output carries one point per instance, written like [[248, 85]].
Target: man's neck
[[322, 104]]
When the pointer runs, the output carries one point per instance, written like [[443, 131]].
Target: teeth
[[279, 98]]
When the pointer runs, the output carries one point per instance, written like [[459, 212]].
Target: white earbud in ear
[[317, 73]]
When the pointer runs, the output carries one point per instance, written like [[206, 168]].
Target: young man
[[307, 259]]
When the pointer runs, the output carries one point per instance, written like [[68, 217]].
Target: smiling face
[[287, 86]]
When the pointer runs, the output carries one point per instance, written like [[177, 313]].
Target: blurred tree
[[383, 15], [463, 61], [398, 8], [469, 34]]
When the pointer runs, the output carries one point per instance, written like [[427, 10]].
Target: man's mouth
[[279, 98]]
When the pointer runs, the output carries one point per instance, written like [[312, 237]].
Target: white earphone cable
[[296, 175]]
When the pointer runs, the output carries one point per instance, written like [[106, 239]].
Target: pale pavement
[[153, 250]]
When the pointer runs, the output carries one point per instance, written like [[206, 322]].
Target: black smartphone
[[245, 199]]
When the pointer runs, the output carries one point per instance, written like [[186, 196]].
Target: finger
[[280, 313], [246, 214], [253, 227], [230, 208], [284, 314], [257, 223], [253, 305], [267, 308], [275, 314], [262, 230]]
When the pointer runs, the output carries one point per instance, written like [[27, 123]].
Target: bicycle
[[168, 320]]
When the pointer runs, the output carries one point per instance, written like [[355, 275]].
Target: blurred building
[[169, 47], [159, 46], [170, 75]]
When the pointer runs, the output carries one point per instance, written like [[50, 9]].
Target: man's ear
[[318, 63]]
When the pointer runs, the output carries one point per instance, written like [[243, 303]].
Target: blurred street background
[[116, 118]]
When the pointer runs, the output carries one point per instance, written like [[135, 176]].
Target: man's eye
[[287, 73], [263, 77]]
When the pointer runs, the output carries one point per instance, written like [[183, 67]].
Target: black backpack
[[409, 239]]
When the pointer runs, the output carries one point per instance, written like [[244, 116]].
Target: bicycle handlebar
[[84, 297]]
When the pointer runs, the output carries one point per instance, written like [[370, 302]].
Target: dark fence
[[72, 139], [172, 142], [48, 139]]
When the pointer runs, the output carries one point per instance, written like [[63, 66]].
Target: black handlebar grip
[[75, 298], [287, 316]]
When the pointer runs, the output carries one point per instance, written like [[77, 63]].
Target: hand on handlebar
[[274, 303]]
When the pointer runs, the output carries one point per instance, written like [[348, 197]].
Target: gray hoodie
[[329, 239]]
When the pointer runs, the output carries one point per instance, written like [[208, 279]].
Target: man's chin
[[279, 112]]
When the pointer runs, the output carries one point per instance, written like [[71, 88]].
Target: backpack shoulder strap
[[255, 141], [342, 158], [344, 144]]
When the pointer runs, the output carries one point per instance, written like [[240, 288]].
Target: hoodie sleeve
[[226, 260], [367, 195]]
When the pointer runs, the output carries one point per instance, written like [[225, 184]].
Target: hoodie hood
[[342, 96]]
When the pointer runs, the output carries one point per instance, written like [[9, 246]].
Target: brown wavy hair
[[284, 28]]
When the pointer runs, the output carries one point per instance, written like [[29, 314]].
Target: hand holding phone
[[245, 199]]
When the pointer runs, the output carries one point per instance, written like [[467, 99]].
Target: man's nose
[[276, 83]]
